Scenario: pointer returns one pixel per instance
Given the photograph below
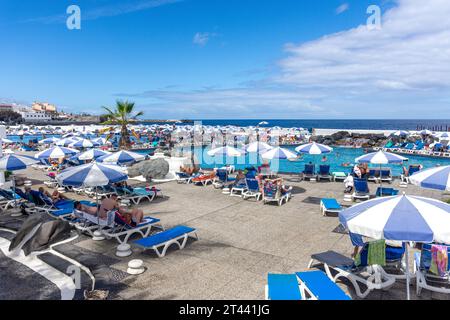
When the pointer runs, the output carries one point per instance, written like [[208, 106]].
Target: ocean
[[368, 124]]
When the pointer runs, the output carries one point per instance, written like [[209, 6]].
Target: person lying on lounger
[[85, 208], [56, 196], [240, 178], [278, 182], [44, 192], [134, 215]]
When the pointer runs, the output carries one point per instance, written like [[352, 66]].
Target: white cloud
[[410, 52], [342, 8], [400, 71], [202, 38]]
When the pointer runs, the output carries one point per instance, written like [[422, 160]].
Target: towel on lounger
[[377, 252], [439, 260]]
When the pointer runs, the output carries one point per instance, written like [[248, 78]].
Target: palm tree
[[122, 116]]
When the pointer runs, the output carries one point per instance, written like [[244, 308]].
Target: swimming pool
[[335, 159]]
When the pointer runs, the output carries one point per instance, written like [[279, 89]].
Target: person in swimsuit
[[108, 204]]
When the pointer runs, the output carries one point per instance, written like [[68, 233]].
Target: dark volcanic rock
[[150, 169]]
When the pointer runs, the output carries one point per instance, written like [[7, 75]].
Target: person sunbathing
[[133, 216], [85, 208], [240, 178], [44, 192], [57, 196]]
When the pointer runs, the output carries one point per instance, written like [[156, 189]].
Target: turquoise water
[[335, 159]]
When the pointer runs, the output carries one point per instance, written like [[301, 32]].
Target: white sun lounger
[[88, 223], [372, 277], [165, 239]]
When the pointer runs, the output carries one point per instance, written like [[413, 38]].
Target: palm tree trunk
[[124, 137]]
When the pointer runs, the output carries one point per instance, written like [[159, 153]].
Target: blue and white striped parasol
[[49, 140], [83, 143], [444, 135], [122, 156], [91, 154], [313, 148], [55, 153], [434, 178], [66, 141], [400, 133], [258, 147], [279, 153], [401, 218], [14, 162], [91, 175], [425, 132], [101, 141], [381, 157]]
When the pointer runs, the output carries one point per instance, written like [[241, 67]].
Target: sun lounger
[[362, 191], [204, 179], [324, 173], [9, 199], [411, 170], [371, 277], [309, 172], [183, 177], [315, 285], [139, 194], [306, 285], [329, 205], [272, 193], [386, 175], [339, 176], [113, 228], [382, 192], [165, 239], [253, 190], [282, 287], [374, 175], [425, 279], [222, 178], [238, 189]]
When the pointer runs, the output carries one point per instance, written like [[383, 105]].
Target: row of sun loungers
[[111, 228], [247, 189]]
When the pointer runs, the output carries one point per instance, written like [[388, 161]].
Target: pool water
[[335, 159]]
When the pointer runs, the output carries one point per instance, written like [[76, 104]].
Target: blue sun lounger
[[318, 286], [282, 287], [324, 173], [308, 173], [361, 190], [165, 239], [381, 192], [307, 285], [329, 205]]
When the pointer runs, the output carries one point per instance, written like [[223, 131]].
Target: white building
[[35, 116]]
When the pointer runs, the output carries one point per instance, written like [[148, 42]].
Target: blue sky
[[230, 58]]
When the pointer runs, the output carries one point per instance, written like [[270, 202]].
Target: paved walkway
[[240, 242]]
